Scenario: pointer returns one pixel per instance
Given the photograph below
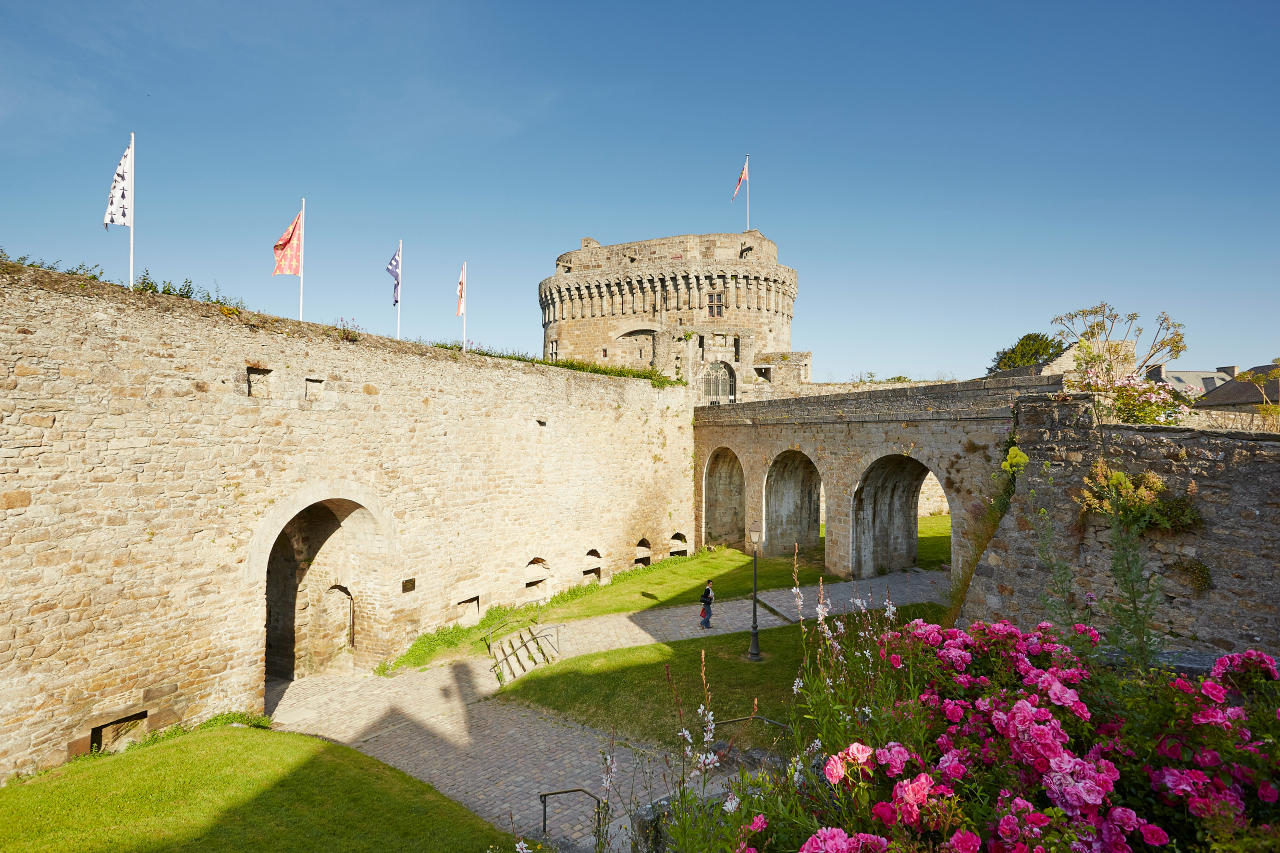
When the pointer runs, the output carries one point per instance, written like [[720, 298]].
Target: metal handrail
[[488, 636], [599, 808], [754, 717], [543, 634]]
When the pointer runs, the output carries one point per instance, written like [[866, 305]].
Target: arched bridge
[[858, 461]]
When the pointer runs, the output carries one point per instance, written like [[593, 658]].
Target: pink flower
[[1008, 828], [865, 842], [834, 771], [758, 823], [965, 841], [830, 839], [1213, 691], [1207, 758], [857, 753], [1154, 835], [1124, 818], [884, 812], [1182, 684], [1267, 792], [895, 661]]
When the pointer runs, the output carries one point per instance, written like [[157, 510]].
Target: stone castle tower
[[707, 308]]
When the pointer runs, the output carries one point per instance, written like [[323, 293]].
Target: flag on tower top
[[120, 200], [288, 249], [462, 290], [393, 270], [742, 177]]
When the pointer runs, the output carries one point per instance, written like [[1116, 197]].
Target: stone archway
[[318, 565], [792, 504], [724, 500], [886, 515]]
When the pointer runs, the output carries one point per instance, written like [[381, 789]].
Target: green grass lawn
[[674, 581], [626, 690], [933, 547], [236, 789]]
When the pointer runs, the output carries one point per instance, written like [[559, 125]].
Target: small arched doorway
[[312, 616], [724, 500], [793, 504], [886, 513], [679, 545], [643, 553], [719, 384]]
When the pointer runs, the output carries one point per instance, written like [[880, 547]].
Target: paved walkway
[[495, 757]]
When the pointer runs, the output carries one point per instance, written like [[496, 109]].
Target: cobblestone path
[[495, 757]]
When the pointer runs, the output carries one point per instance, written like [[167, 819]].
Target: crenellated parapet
[[680, 304]]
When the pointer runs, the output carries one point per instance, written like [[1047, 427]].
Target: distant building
[[1193, 383], [1235, 395]]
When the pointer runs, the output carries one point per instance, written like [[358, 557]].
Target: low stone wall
[[1221, 582], [168, 464]]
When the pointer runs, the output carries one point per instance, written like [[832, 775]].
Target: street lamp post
[[753, 653]]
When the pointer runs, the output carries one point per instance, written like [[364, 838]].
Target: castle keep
[[713, 309]]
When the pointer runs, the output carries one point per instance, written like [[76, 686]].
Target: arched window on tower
[[718, 384]]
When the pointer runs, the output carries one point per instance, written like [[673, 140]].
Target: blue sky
[[944, 176]]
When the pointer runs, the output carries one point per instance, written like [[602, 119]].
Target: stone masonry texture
[[1220, 582], [158, 455], [679, 304]]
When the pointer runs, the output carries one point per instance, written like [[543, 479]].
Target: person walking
[[707, 597]]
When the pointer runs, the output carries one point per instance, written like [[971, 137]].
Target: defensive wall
[[194, 498], [1220, 582], [859, 459]]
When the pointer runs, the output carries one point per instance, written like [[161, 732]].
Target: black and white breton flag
[[393, 269], [120, 202]]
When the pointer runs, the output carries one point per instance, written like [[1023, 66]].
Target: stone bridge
[[856, 460]]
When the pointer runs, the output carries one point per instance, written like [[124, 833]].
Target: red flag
[[741, 178], [462, 290], [288, 249]]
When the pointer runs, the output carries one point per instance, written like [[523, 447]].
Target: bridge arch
[[724, 500], [885, 515], [792, 503]]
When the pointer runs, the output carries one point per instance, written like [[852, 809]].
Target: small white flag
[[120, 202], [462, 290], [393, 270]]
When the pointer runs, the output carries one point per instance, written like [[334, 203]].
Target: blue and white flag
[[393, 270]]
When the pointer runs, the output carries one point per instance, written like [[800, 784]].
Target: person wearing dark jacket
[[707, 597]]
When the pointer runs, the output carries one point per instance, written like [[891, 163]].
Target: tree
[[1032, 348], [1107, 343]]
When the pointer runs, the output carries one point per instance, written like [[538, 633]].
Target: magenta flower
[[1154, 835], [758, 823], [884, 813], [834, 771], [1267, 792], [965, 841], [1214, 691]]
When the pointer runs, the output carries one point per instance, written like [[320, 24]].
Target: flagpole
[[302, 254], [400, 288], [748, 168], [133, 224], [464, 308]]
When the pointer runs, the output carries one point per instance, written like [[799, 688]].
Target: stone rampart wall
[[1221, 582], [154, 451]]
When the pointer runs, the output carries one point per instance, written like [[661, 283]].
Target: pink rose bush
[[994, 739]]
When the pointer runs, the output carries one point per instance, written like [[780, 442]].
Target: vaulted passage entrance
[[725, 507], [885, 516], [792, 504], [313, 599]]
